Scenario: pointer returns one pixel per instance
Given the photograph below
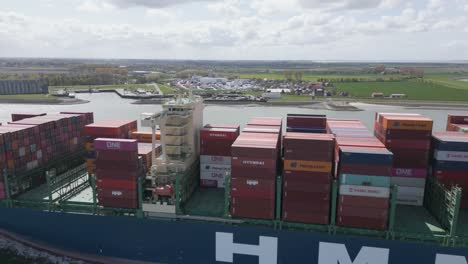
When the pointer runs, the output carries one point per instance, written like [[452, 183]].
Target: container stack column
[[408, 137], [450, 161], [215, 154], [117, 172], [254, 168], [307, 177]]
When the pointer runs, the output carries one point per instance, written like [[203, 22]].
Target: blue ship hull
[[203, 242]]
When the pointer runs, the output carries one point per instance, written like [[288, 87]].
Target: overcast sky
[[236, 29]]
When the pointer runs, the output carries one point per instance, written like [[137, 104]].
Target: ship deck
[[417, 221], [206, 202]]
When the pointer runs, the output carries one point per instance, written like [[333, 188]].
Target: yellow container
[[407, 123], [89, 147], [91, 162], [304, 165]]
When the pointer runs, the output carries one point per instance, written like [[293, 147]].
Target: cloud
[[151, 3], [95, 6], [342, 4], [227, 7]]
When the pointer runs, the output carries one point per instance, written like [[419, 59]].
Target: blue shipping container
[[375, 156]]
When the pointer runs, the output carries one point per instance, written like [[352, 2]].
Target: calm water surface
[[110, 106]]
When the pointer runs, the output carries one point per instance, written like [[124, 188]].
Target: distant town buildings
[[377, 95], [23, 87]]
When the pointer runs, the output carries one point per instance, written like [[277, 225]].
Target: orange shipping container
[[302, 165], [145, 137], [407, 123]]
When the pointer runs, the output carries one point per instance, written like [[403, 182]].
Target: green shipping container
[[367, 180]]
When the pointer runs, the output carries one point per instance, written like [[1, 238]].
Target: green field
[[166, 89], [415, 90], [315, 77], [292, 98], [449, 80]]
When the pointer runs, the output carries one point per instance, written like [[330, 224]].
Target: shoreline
[[44, 101], [340, 104]]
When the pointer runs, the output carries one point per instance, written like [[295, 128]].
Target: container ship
[[308, 189]]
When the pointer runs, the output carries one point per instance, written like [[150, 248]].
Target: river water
[[111, 106]]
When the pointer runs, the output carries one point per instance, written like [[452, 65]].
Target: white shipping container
[[22, 151], [410, 200], [451, 156], [367, 191], [410, 191], [210, 177], [408, 182], [226, 169], [218, 160]]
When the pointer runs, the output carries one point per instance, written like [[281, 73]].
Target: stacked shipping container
[[408, 136], [457, 123], [364, 186], [306, 123], [215, 154], [145, 151], [109, 129], [307, 177], [117, 172], [363, 171], [254, 168], [450, 161], [34, 142], [21, 116]]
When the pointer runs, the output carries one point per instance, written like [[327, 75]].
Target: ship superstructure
[[179, 124]]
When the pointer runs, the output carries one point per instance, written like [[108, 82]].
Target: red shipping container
[[252, 208], [317, 207], [254, 151], [116, 174], [457, 119], [395, 134], [114, 144], [219, 133], [304, 217], [241, 172], [368, 169], [117, 193], [118, 203], [307, 176], [253, 187], [410, 144], [216, 148], [111, 128], [266, 121], [366, 212], [318, 122], [410, 158], [298, 146], [455, 175], [241, 165], [112, 165], [362, 222], [126, 157], [306, 186], [361, 201], [116, 184], [359, 142], [303, 197]]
